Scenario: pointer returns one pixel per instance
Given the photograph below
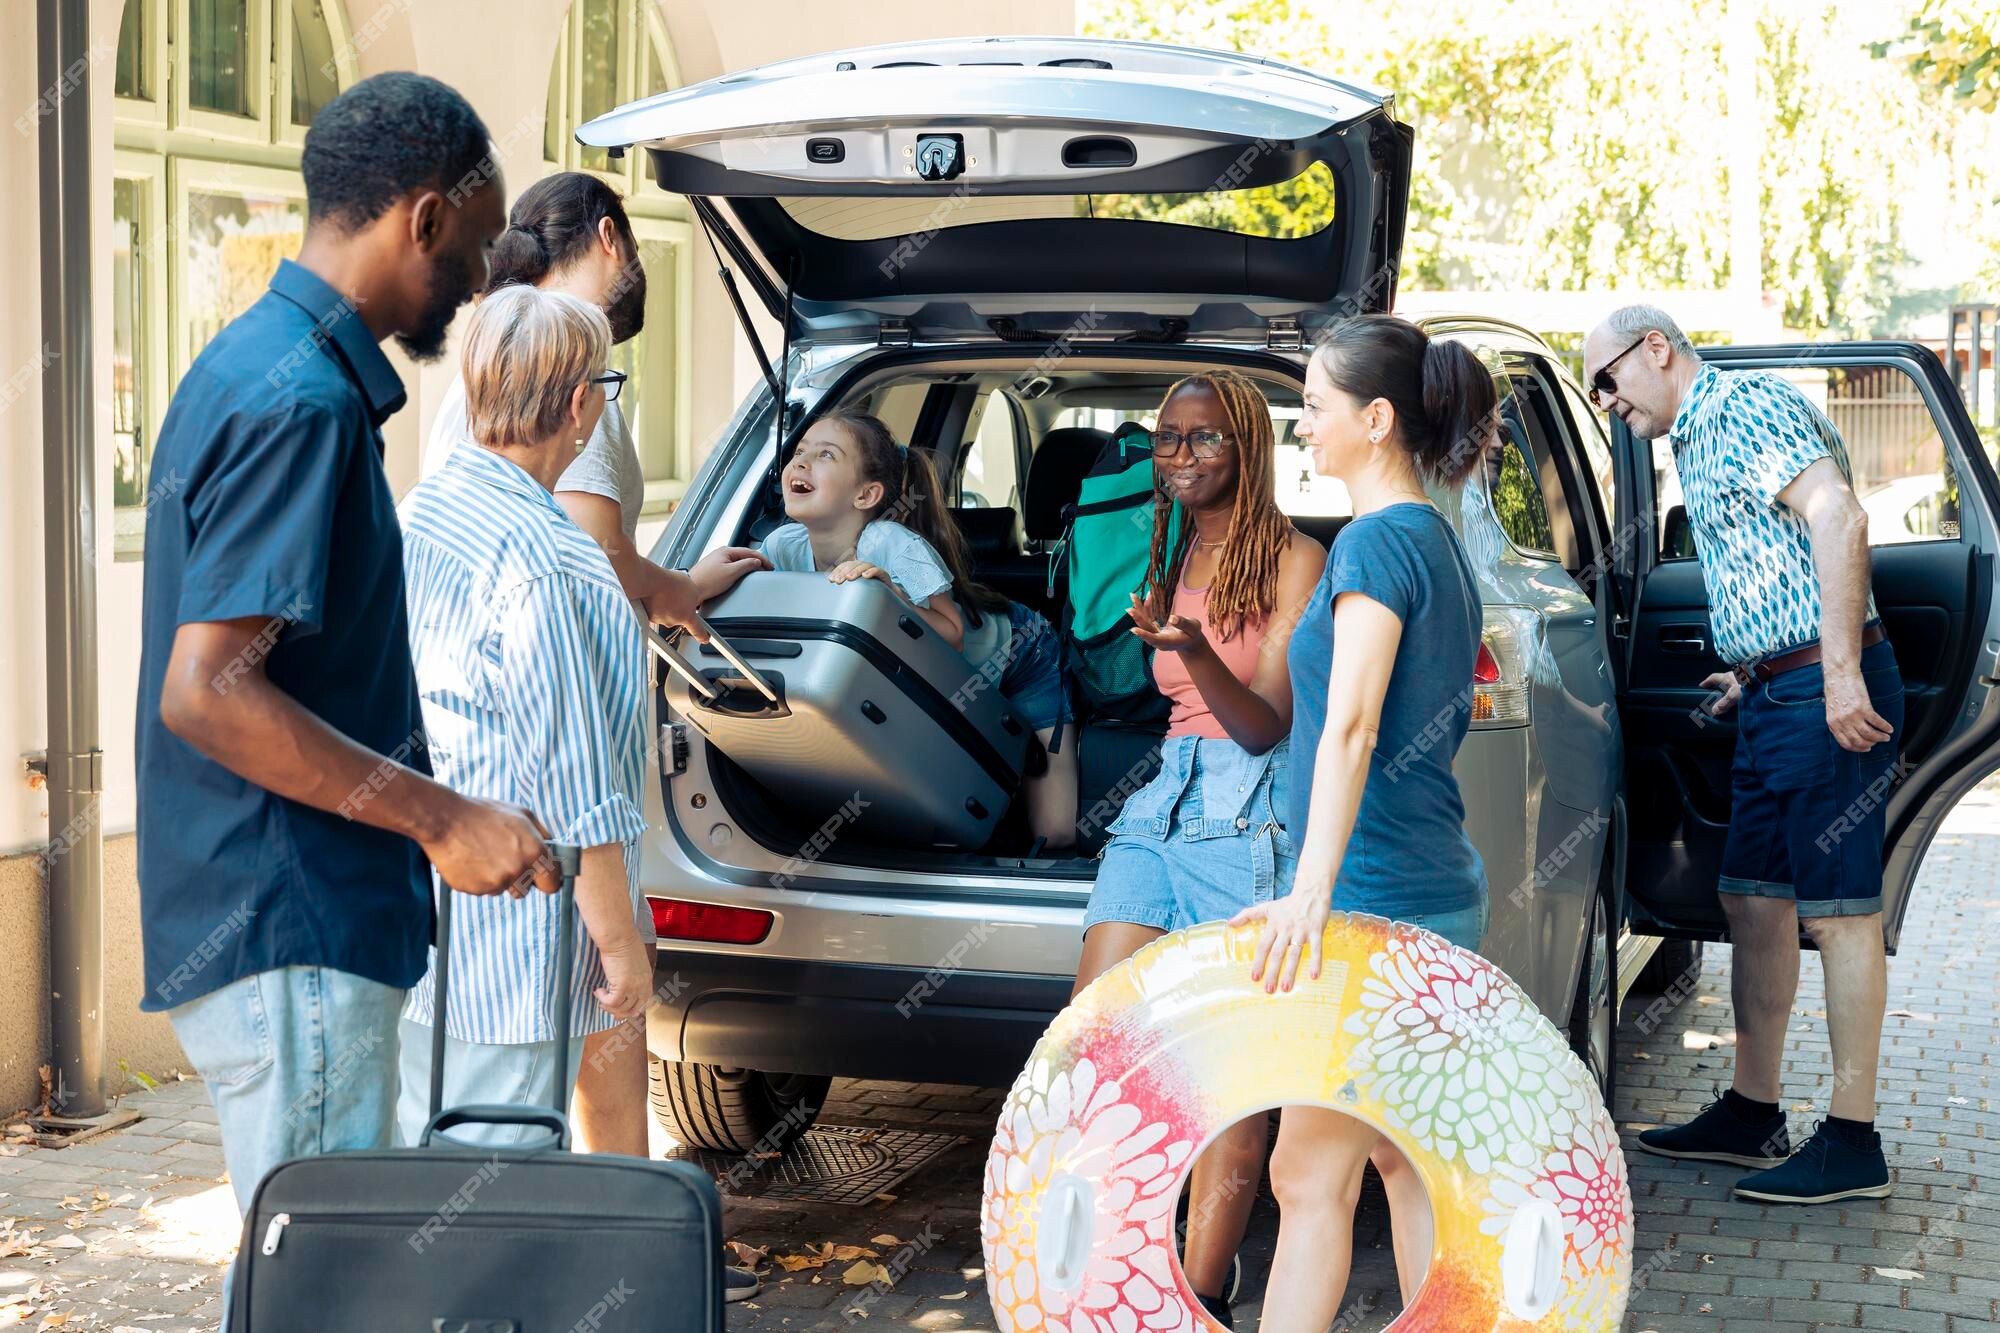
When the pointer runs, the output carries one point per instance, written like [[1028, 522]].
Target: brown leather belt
[[1871, 635]]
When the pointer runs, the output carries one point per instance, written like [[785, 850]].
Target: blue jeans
[[495, 1073], [1807, 816], [1465, 927], [298, 1061]]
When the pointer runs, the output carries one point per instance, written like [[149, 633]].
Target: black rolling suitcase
[[446, 1238]]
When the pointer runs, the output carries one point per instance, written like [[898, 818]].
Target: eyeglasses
[[1206, 443], [613, 381], [1601, 383]]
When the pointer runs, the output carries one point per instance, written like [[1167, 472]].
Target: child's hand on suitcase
[[848, 570], [628, 976]]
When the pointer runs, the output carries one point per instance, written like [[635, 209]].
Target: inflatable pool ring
[[1427, 1042]]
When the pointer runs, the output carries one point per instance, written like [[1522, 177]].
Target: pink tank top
[[1191, 716]]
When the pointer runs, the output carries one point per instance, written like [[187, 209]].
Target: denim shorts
[[1200, 842], [1034, 680], [1806, 815]]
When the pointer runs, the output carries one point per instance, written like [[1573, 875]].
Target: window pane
[[991, 476], [648, 396], [1511, 475], [131, 441], [597, 67], [234, 242], [1596, 449], [553, 123], [135, 48], [219, 56], [656, 74], [315, 76]]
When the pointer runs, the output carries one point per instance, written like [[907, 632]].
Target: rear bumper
[[857, 1020]]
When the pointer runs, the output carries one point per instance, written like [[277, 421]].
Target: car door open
[[1929, 489]]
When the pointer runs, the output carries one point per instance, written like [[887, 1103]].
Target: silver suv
[[1008, 247]]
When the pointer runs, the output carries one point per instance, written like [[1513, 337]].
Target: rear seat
[[1055, 475]]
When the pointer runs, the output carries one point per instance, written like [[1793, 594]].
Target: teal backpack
[[1107, 543]]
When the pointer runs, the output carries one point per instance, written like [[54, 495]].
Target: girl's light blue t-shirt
[[912, 563], [1409, 852]]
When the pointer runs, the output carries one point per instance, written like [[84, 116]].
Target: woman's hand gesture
[[1293, 929], [1179, 634]]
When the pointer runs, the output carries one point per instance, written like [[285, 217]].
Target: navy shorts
[[1806, 815]]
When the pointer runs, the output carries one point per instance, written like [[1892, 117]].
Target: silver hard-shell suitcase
[[841, 694]]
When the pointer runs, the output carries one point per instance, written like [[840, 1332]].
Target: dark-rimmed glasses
[[613, 381], [1206, 442]]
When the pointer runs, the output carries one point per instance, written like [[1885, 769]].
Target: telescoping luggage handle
[[680, 666], [569, 861]]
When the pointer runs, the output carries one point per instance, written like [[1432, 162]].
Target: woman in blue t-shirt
[[1381, 664]]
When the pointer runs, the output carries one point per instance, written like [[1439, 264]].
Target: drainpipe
[[75, 859]]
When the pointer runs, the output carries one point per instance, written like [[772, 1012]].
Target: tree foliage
[[1579, 145], [1952, 45]]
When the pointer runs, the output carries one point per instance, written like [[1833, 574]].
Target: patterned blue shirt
[[532, 671], [1740, 437]]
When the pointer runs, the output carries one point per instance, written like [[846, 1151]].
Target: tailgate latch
[[1282, 334], [894, 332], [674, 748]]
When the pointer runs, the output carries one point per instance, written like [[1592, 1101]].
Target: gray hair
[[526, 352], [1633, 322]]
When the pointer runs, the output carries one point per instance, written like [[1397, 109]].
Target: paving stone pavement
[[135, 1226]]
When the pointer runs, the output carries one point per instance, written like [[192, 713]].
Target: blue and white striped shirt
[[532, 671]]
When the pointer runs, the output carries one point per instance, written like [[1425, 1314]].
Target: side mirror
[[1677, 536]]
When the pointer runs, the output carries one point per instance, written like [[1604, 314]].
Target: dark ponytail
[[1446, 407], [553, 223]]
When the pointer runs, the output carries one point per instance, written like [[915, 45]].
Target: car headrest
[[1055, 477], [989, 533]]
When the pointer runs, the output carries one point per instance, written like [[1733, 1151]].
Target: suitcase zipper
[[276, 1232]]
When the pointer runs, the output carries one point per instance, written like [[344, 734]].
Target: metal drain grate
[[829, 1164]]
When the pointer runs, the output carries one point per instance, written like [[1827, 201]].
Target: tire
[[1674, 967], [1593, 1025], [734, 1110]]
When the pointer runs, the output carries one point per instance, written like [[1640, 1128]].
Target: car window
[[991, 477], [1596, 448], [1513, 472], [1902, 473]]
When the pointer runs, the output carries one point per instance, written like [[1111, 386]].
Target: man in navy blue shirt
[[286, 811]]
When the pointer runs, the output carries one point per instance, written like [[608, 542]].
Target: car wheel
[[1593, 1029], [1672, 970], [734, 1110]]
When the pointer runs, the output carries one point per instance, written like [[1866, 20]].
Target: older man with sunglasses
[[1784, 553]]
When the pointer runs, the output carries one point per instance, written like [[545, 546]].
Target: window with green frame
[[612, 52], [212, 98]]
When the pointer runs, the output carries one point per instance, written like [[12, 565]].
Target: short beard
[[627, 311], [450, 288]]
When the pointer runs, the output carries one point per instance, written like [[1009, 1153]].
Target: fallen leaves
[[1914, 1017], [822, 1253], [864, 1273], [1900, 1274]]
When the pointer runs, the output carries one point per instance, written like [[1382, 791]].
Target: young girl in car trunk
[[1218, 608], [866, 507]]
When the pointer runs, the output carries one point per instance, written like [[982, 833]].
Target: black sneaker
[[1718, 1134], [1218, 1310], [1825, 1170], [739, 1284]]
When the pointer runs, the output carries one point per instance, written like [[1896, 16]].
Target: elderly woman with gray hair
[[531, 668]]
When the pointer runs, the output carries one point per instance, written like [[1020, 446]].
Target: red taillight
[[1486, 667], [674, 919]]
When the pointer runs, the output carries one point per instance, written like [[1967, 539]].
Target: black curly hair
[[384, 137]]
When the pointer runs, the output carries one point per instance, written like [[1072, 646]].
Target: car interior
[[1014, 448]]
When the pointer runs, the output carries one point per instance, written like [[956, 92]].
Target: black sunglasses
[[613, 381], [1601, 383]]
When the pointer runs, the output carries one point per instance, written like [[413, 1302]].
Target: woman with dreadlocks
[[1205, 838]]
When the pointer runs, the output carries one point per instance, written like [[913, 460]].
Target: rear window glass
[[1301, 206], [1299, 488]]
